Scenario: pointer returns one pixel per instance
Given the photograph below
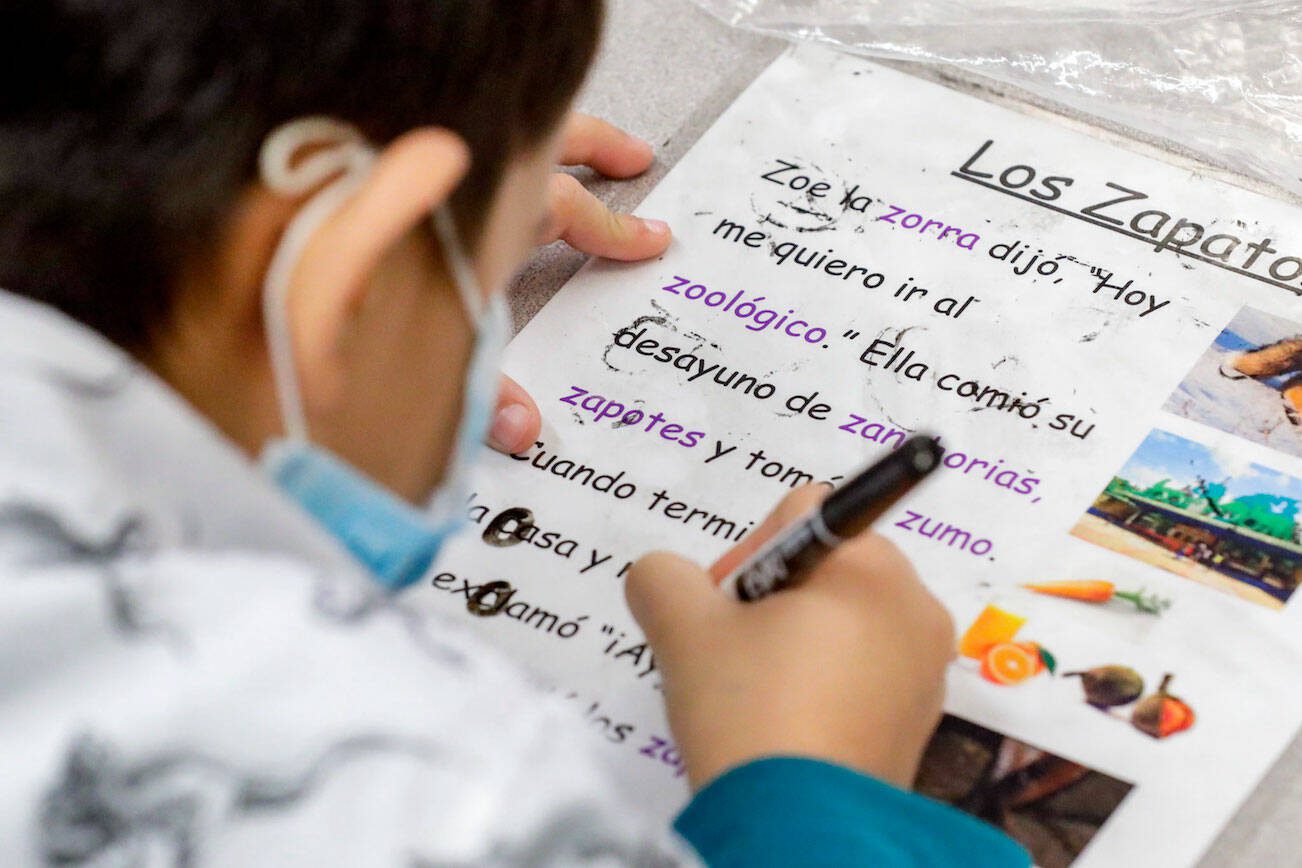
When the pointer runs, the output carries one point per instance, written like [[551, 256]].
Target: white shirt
[[191, 672]]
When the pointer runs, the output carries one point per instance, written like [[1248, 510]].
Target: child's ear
[[411, 177]]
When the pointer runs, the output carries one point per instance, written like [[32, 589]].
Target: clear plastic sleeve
[[1219, 80]]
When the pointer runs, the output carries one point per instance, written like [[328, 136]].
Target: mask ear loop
[[487, 314], [343, 153]]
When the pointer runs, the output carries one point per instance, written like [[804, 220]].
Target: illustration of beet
[[1106, 686], [1162, 714]]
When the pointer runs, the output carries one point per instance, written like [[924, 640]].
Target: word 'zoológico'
[[758, 319]]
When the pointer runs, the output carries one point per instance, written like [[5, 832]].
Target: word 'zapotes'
[[623, 416]]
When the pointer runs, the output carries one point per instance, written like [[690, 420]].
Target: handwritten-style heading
[[1125, 209]]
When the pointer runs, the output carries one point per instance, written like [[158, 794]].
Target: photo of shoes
[[1248, 382]]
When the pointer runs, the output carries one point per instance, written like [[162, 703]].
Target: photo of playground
[[1051, 805], [1248, 382], [1227, 524]]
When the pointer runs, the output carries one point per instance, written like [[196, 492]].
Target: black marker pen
[[847, 511]]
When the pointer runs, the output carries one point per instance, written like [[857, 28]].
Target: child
[[253, 255]]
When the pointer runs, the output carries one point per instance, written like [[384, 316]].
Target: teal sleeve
[[802, 812]]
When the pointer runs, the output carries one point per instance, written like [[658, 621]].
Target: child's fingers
[[793, 506], [589, 141], [516, 421], [586, 224], [667, 595]]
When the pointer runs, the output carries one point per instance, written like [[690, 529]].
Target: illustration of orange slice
[[1009, 663]]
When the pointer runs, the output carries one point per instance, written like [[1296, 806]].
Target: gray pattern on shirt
[[106, 811]]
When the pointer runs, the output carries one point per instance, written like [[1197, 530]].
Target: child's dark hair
[[128, 128]]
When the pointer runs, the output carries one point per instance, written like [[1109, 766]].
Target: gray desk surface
[[666, 72]]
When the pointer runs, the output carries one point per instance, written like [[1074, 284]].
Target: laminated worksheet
[[1109, 349]]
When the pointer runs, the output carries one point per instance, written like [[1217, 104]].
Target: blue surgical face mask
[[394, 540]]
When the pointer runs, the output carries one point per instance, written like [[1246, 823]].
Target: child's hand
[[583, 221], [848, 667]]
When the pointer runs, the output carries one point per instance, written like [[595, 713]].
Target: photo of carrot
[[1099, 591]]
